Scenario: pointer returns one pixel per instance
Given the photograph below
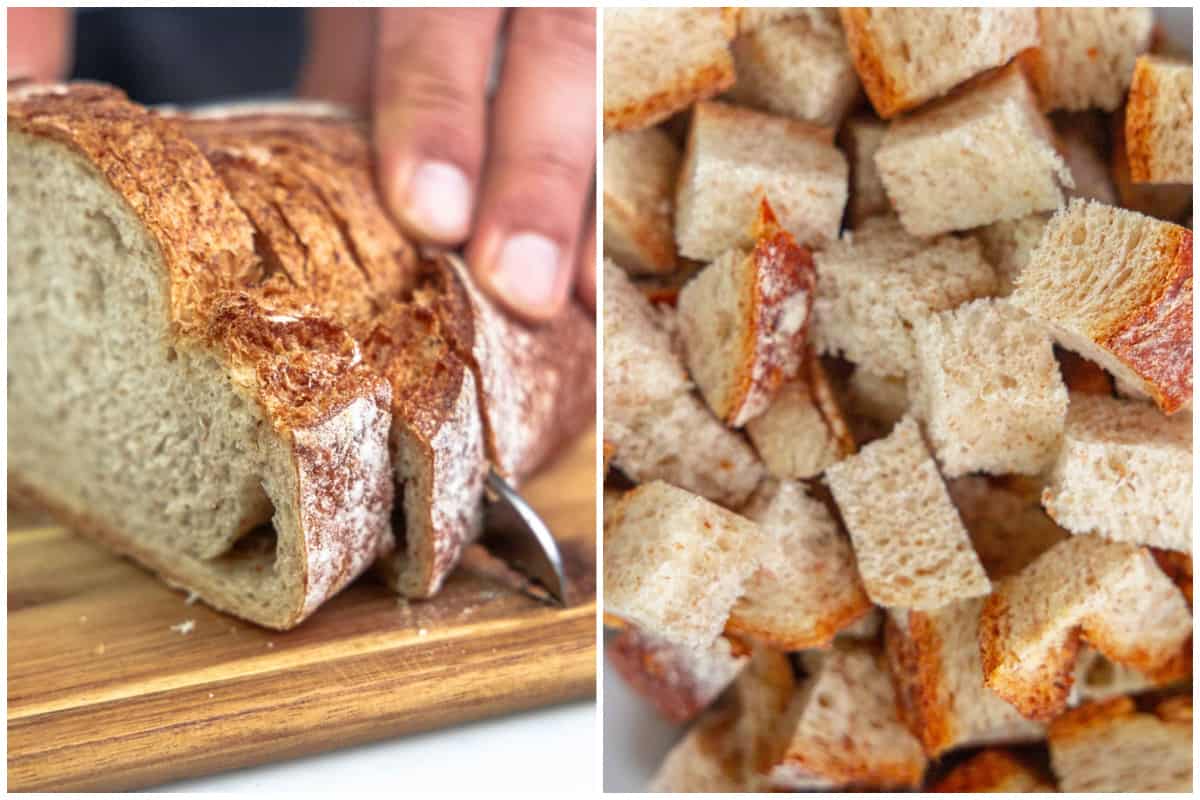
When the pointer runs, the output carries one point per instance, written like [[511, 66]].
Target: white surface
[[546, 750]]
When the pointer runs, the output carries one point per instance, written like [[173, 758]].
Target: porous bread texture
[[1008, 244], [743, 322], [675, 563], [860, 138], [1110, 746], [1109, 594], [807, 588], [1124, 473], [1165, 201], [875, 283], [705, 760], [1008, 527], [906, 56], [797, 67], [803, 430], [1098, 678], [846, 729], [677, 682], [1158, 121], [640, 169], [882, 399], [935, 666], [911, 546], [659, 428], [1116, 287], [735, 158], [993, 770], [1083, 143], [660, 60], [984, 155], [988, 390], [1085, 56], [753, 18]]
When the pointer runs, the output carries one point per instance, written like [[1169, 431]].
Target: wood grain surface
[[106, 691]]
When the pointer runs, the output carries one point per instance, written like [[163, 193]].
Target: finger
[[585, 282], [540, 161], [337, 66], [39, 43], [431, 74]]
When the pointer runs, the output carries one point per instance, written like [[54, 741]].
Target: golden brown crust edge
[[886, 94], [700, 84], [1139, 123], [914, 660], [988, 771]]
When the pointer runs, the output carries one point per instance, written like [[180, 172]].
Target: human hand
[[514, 176], [38, 40]]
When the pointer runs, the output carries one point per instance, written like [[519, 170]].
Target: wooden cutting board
[[107, 692]]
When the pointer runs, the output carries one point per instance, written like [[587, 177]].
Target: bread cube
[[705, 759], [734, 159], [808, 588], [1158, 121], [877, 282], [660, 60], [1085, 56], [911, 546], [992, 770], [988, 389], [986, 154], [640, 168], [674, 563], [1165, 201], [1007, 246], [799, 68], [1124, 473], [860, 138], [906, 56], [1116, 287]]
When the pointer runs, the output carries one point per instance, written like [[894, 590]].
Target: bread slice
[[705, 760], [797, 67], [877, 282], [660, 60], [803, 430], [1007, 526], [1166, 201], [1110, 594], [677, 682], [1110, 746], [988, 389], [983, 155], [1083, 142], [674, 563], [1124, 473], [657, 425], [1158, 121], [860, 138], [906, 56], [808, 588], [734, 159], [1116, 287], [743, 322], [912, 548], [1008, 244], [935, 666], [1086, 55], [993, 770], [162, 398], [640, 170]]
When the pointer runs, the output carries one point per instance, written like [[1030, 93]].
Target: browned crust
[[614, 622], [819, 634], [1139, 123], [1178, 567], [1082, 720], [828, 406], [699, 84], [915, 661], [887, 95], [1033, 62], [989, 770], [655, 242], [1177, 708], [1164, 201]]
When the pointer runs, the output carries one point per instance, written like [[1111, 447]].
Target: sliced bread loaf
[[640, 170], [983, 155], [860, 138], [1116, 287], [911, 546], [993, 770], [1158, 121], [736, 157]]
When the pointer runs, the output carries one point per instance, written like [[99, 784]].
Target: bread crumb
[[185, 627], [99, 650], [191, 599]]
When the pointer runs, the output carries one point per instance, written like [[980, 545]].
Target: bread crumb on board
[[185, 627]]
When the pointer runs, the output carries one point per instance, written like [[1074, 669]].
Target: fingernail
[[439, 201], [526, 272]]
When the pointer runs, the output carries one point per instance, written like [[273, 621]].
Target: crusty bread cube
[[1165, 201], [1124, 473], [743, 322], [876, 283], [1116, 287], [1110, 593], [993, 770], [674, 563], [1007, 526], [799, 68], [808, 587], [860, 138], [911, 546], [934, 660], [660, 60], [705, 759], [906, 56], [988, 389], [983, 155], [640, 168], [657, 426], [1158, 121], [1085, 56], [1110, 746], [736, 157], [1008, 244]]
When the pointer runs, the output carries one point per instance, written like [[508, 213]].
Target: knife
[[514, 533]]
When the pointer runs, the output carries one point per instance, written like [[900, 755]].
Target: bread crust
[[914, 658], [992, 771], [887, 95], [1139, 122]]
